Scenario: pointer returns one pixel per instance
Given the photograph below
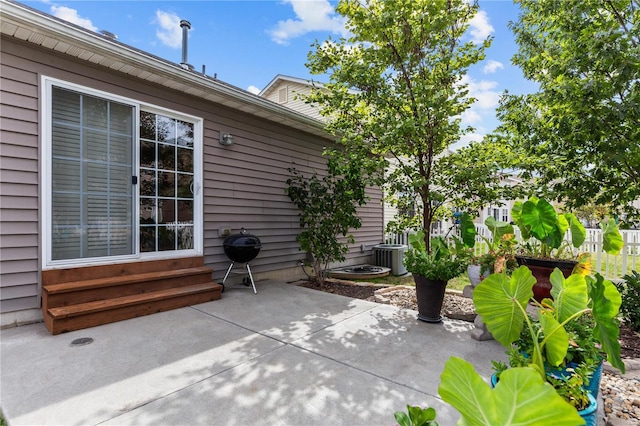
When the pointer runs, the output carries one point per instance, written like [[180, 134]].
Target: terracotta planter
[[541, 270], [430, 295]]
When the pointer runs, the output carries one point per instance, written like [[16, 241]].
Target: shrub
[[630, 308]]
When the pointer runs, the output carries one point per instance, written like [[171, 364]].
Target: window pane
[[120, 180], [147, 211], [147, 183], [66, 176], [67, 106], [147, 238], [166, 157], [66, 141], [66, 243], [185, 160], [185, 211], [166, 184], [185, 189], [94, 112], [95, 145], [65, 209], [147, 126], [166, 211], [184, 134], [97, 177], [121, 119], [120, 149], [166, 238], [185, 237], [147, 154], [166, 129]]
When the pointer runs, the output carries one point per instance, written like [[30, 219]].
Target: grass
[[457, 283]]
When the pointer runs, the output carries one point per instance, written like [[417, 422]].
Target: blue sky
[[247, 42]]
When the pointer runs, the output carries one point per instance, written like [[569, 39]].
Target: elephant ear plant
[[538, 219], [502, 301]]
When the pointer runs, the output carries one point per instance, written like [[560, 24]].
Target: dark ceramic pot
[[430, 295], [541, 270]]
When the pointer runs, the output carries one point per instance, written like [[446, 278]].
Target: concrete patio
[[286, 356]]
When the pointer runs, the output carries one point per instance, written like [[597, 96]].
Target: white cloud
[[492, 66], [466, 139], [484, 91], [253, 89], [470, 117], [169, 31], [72, 16], [310, 16], [480, 27]]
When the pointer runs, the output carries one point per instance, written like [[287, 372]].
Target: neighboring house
[[286, 91], [115, 176]]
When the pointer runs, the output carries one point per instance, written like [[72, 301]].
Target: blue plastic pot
[[590, 414]]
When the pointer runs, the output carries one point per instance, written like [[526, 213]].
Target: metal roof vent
[[109, 34], [186, 26]]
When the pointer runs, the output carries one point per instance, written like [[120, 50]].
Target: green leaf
[[578, 232], [467, 230], [501, 301], [402, 418], [556, 339], [542, 221], [521, 397], [606, 302], [612, 241], [570, 295]]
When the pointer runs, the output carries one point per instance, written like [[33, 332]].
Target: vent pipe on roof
[[186, 26]]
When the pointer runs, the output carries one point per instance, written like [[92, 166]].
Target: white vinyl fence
[[611, 267]]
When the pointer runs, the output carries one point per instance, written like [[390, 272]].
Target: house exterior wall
[[293, 99], [243, 184]]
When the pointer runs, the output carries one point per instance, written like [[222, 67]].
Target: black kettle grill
[[241, 248]]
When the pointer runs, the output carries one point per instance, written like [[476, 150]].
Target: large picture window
[[120, 178]]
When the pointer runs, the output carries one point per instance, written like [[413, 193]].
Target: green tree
[[327, 209], [579, 134], [396, 92]]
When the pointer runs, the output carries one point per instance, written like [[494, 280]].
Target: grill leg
[[227, 274], [252, 283]]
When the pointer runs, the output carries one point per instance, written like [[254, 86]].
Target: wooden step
[[69, 293], [123, 280], [90, 314], [55, 276]]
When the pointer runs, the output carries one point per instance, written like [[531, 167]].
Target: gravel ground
[[620, 393]]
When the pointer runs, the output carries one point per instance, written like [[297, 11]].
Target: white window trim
[[46, 168]]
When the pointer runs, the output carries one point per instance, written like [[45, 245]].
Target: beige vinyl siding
[[243, 184], [294, 101], [19, 241]]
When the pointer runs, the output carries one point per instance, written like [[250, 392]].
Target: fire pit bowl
[[242, 247]]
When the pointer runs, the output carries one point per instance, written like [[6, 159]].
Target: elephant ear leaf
[[520, 397], [606, 302], [542, 220], [611, 239], [578, 232], [569, 295], [501, 302], [467, 230]]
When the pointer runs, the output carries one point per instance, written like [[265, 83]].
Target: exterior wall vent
[[283, 95]]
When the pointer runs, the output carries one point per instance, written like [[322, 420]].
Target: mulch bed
[[629, 339]]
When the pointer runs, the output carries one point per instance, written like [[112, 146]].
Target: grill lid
[[242, 247]]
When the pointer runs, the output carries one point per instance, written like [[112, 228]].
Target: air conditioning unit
[[390, 256]]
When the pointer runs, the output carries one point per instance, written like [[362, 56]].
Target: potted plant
[[544, 245], [542, 341], [433, 269], [500, 252]]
